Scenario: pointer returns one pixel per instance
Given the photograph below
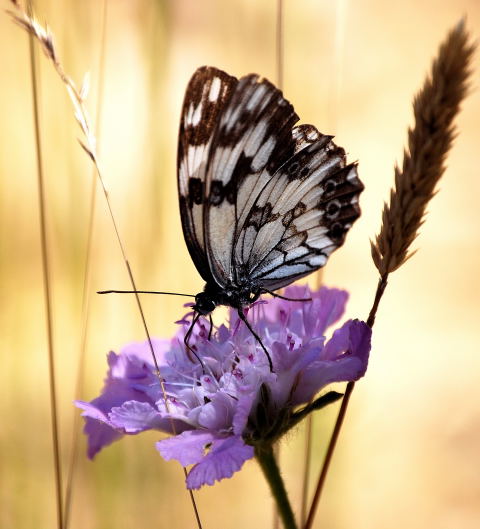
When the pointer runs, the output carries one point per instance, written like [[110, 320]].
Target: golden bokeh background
[[409, 455]]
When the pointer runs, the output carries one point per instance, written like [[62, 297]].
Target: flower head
[[219, 411]]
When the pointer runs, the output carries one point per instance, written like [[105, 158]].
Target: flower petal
[[188, 448], [99, 431], [134, 417], [331, 305], [353, 338], [226, 457], [98, 435], [338, 343], [242, 412], [217, 414], [345, 358]]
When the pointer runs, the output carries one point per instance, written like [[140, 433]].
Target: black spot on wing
[[220, 192], [243, 168], [261, 215], [343, 183], [339, 202], [291, 215], [195, 191]]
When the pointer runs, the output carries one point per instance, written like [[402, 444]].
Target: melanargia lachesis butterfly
[[263, 201]]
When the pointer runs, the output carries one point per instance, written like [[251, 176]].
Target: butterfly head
[[204, 304]]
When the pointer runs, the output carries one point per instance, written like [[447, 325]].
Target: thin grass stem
[[329, 455], [279, 43], [336, 76], [335, 86], [144, 321], [306, 468], [382, 283], [74, 451], [46, 281]]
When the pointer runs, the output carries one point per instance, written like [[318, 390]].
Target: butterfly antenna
[[241, 315], [188, 347], [266, 291], [143, 292]]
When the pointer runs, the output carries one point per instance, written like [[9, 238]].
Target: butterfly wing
[[301, 215], [252, 140], [207, 93], [262, 201]]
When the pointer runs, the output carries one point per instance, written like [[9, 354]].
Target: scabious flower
[[220, 412]]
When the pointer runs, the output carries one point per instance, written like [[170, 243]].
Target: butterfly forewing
[[207, 93], [252, 140]]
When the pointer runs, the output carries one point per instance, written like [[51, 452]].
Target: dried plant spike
[[429, 141], [44, 37]]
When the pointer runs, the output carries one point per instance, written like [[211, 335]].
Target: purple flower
[[217, 413]]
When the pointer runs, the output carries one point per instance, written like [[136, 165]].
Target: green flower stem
[[268, 464]]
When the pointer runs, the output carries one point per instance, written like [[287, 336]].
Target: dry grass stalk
[[70, 486], [435, 107], [429, 141], [45, 38], [47, 286]]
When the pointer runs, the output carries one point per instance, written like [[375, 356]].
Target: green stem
[[268, 464]]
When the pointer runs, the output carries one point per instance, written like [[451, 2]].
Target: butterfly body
[[263, 202], [233, 295]]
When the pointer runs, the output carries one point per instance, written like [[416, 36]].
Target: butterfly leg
[[211, 327], [186, 339], [241, 315], [266, 291]]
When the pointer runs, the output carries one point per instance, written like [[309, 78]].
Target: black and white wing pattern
[[263, 202], [207, 93], [253, 138], [300, 216]]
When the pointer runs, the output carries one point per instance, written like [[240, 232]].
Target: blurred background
[[409, 454]]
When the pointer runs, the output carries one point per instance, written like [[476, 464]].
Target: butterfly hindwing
[[301, 215], [207, 93]]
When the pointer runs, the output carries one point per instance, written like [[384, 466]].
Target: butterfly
[[263, 202]]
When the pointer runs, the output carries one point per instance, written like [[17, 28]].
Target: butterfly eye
[[203, 304]]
